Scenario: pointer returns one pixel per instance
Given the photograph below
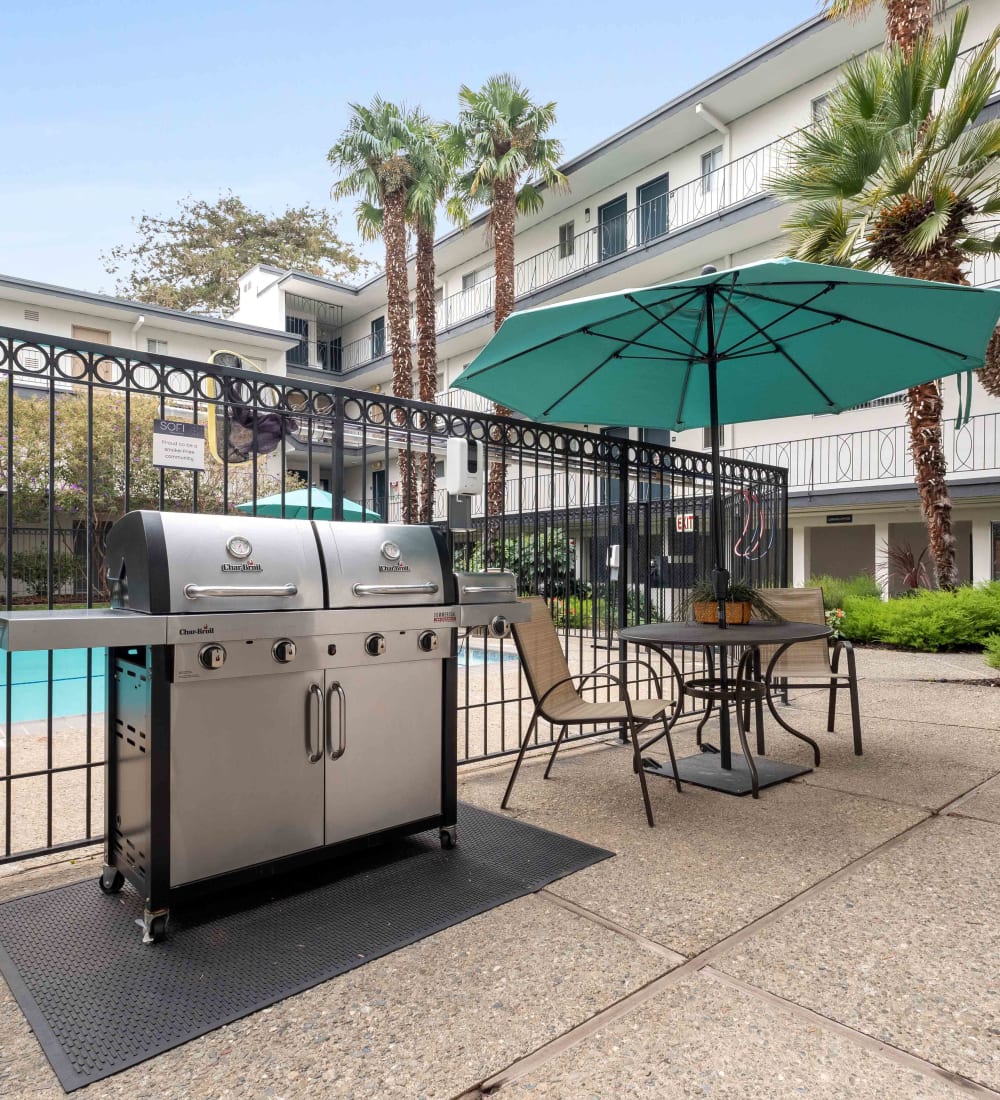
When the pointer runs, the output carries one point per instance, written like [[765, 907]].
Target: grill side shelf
[[84, 629]]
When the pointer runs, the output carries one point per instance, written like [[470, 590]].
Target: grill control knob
[[284, 651], [428, 641], [499, 626], [375, 645], [212, 656]]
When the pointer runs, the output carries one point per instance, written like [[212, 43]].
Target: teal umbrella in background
[[771, 339], [297, 506]]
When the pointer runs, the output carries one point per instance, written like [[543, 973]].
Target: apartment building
[[684, 186], [136, 326]]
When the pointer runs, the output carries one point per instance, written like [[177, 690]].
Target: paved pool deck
[[837, 938]]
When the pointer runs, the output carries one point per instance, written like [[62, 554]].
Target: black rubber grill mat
[[99, 1000]]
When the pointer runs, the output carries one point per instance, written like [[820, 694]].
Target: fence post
[[337, 459], [623, 557]]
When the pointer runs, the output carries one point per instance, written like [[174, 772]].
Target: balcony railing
[[877, 455]]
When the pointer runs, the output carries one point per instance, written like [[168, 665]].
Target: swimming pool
[[478, 657], [30, 684]]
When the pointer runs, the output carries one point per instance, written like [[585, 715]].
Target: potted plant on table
[[742, 601]]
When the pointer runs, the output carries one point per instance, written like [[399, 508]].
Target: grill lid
[[175, 563]]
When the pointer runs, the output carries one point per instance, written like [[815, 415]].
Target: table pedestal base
[[704, 770]]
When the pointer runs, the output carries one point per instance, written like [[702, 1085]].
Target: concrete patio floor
[[837, 938]]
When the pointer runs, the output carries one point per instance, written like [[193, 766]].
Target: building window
[[156, 347], [439, 296], [652, 199], [567, 240], [706, 437], [474, 278], [819, 108], [378, 337], [299, 355], [711, 162]]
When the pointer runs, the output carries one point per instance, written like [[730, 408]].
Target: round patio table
[[719, 771]]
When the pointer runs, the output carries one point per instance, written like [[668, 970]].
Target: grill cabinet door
[[243, 790], [390, 770]]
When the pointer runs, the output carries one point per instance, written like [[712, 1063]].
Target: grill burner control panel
[[284, 651], [375, 645], [212, 656]]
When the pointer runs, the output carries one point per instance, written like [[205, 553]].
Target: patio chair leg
[[831, 717], [758, 705], [852, 680], [670, 750], [520, 757], [741, 730], [552, 758], [642, 774]]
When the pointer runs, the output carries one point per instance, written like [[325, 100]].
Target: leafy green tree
[[193, 259], [902, 173], [504, 153]]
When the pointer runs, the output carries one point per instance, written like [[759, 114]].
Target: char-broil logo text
[[399, 567], [206, 629], [248, 566]]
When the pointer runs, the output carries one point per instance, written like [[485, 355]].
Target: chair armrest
[[843, 645], [583, 678]]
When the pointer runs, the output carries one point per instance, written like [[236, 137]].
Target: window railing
[[876, 455]]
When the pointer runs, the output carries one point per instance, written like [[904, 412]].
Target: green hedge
[[928, 621], [992, 651], [837, 589]]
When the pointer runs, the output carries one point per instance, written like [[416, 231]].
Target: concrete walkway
[[838, 938]]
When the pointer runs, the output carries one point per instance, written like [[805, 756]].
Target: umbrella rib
[[862, 324], [778, 320], [682, 397], [663, 321], [590, 374], [784, 354], [755, 349], [572, 332]]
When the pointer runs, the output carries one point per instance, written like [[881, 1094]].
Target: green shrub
[[926, 620], [837, 590], [992, 651], [32, 567]]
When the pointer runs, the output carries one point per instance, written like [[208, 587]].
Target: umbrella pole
[[720, 575]]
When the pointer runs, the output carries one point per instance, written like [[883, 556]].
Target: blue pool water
[[479, 657], [30, 684]]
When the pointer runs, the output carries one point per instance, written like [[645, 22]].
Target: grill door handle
[[338, 752], [205, 591], [315, 692], [427, 588], [477, 588]]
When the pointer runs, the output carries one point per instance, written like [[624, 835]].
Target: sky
[[112, 110]]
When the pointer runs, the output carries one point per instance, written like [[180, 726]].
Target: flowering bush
[[834, 618]]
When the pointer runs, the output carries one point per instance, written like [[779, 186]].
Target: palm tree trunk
[[924, 407], [398, 309], [906, 21], [426, 353], [504, 214]]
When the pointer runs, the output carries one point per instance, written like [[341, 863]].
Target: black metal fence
[[610, 530]]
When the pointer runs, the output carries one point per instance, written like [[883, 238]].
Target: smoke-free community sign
[[178, 445]]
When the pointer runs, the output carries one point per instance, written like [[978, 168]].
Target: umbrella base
[[704, 770]]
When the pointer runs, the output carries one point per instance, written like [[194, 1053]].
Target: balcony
[[877, 457]]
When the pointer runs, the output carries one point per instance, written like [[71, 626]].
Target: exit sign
[[843, 518]]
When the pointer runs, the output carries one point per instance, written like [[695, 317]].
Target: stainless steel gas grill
[[280, 692]]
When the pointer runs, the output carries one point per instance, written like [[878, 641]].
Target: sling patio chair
[[810, 664], [556, 694]]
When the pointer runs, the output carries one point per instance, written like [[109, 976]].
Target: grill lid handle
[[206, 591], [477, 588], [428, 587]]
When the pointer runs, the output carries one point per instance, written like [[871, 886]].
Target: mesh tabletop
[[753, 633]]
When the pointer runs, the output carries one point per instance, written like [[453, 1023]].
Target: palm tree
[[900, 173], [373, 159], [906, 21], [433, 171], [501, 146]]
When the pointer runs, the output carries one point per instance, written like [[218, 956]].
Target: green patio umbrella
[[776, 338], [297, 506]]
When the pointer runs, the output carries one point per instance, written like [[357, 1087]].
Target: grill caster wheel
[[449, 836], [154, 926], [111, 881]]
